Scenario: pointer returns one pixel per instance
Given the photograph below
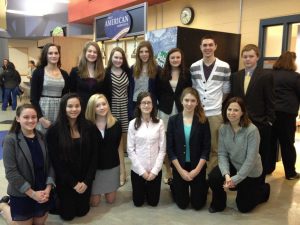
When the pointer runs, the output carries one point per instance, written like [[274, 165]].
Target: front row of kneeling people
[[78, 159]]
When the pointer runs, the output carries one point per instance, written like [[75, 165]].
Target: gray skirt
[[106, 181]]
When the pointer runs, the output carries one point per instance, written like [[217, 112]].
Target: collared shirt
[[146, 146]]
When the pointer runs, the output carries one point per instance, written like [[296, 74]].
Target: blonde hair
[[90, 113]]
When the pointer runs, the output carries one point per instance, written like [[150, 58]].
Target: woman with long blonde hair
[[107, 179]]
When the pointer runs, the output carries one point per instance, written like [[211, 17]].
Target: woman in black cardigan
[[72, 146], [49, 83], [170, 84], [109, 133]]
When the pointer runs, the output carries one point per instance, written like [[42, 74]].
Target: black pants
[[265, 148], [250, 192], [194, 191], [73, 204], [283, 132], [142, 189]]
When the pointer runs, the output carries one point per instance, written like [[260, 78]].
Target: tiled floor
[[283, 208]]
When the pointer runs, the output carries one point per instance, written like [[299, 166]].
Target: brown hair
[[15, 126], [44, 55], [138, 112], [152, 65], [98, 64], [286, 62], [244, 120], [167, 70], [199, 111], [124, 66], [250, 47]]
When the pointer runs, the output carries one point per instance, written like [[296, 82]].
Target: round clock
[[187, 15]]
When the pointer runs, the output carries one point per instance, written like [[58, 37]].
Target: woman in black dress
[[72, 146]]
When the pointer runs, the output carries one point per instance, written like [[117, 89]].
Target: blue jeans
[[7, 93]]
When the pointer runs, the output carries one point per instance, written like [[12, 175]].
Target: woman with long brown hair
[[88, 77], [146, 150], [28, 170], [48, 84], [143, 76], [117, 81], [188, 147], [170, 84]]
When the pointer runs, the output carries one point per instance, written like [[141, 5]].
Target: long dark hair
[[167, 70], [244, 120], [63, 126], [138, 112], [15, 126], [43, 57]]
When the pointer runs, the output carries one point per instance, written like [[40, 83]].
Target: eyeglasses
[[146, 103]]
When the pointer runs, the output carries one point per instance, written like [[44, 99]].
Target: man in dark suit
[[255, 86]]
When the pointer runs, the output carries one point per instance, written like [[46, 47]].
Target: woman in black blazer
[[287, 97], [170, 84], [188, 146]]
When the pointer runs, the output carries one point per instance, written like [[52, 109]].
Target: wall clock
[[187, 15]]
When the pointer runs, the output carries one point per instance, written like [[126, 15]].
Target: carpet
[[2, 135]]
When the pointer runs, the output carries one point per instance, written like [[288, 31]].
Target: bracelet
[[32, 194]]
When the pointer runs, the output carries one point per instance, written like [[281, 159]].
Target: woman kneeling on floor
[[240, 164]]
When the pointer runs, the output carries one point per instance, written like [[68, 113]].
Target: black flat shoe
[[4, 199], [295, 177], [213, 210]]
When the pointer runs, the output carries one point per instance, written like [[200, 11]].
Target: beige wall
[[22, 46], [222, 15], [2, 15]]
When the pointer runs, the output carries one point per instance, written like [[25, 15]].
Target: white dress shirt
[[146, 147]]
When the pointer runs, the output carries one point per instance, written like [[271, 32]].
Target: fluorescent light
[[19, 12], [37, 7]]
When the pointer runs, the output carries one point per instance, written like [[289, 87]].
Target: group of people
[[213, 129]]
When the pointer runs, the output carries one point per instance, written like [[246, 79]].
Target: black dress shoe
[[4, 199], [212, 210]]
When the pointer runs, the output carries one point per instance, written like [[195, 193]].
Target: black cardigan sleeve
[[36, 89]]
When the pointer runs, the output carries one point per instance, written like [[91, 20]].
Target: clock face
[[187, 15]]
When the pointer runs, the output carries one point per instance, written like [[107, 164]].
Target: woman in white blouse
[[146, 150]]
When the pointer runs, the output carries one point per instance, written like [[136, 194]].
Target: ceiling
[[36, 7]]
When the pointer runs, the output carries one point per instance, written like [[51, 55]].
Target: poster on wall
[[162, 41]]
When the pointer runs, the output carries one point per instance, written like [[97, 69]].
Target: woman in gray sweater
[[239, 163]]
